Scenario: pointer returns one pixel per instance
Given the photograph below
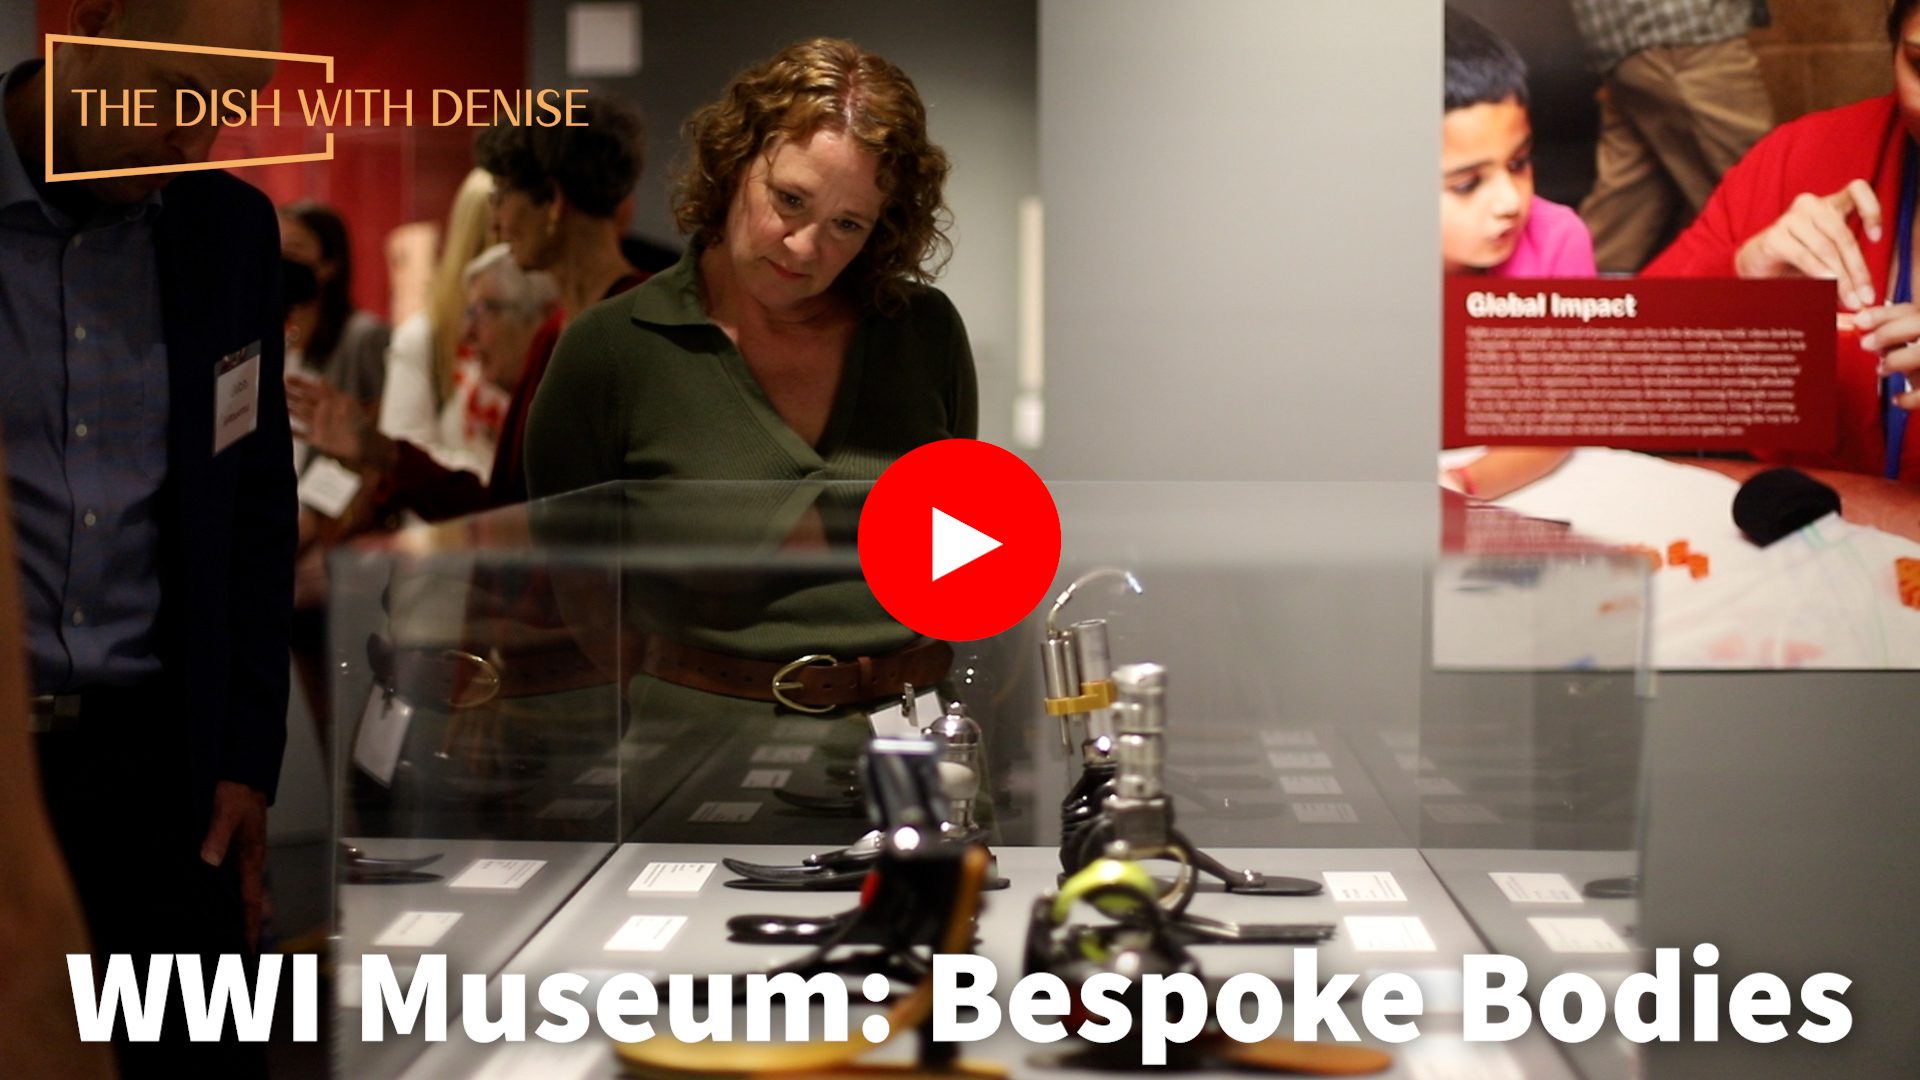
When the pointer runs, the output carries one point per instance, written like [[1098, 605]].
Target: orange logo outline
[[163, 46]]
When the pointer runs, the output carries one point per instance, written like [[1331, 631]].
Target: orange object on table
[[1906, 575], [1677, 553], [1697, 566]]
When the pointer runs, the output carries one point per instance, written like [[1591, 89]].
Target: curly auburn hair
[[827, 85]]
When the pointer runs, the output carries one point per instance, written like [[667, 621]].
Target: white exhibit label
[[574, 809], [1363, 887], [1289, 737], [767, 778], [642, 752], [646, 933], [782, 755], [724, 813], [383, 731], [505, 874], [416, 930], [672, 877], [1578, 935], [1325, 813], [1536, 888], [598, 776], [1388, 933], [1414, 762], [1299, 759], [1311, 785], [1434, 786], [538, 1060], [1448, 1057]]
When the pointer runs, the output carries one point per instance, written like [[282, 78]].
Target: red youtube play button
[[959, 540]]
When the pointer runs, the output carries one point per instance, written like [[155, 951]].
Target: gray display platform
[[492, 924], [575, 939]]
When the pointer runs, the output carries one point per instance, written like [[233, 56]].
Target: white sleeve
[[407, 409]]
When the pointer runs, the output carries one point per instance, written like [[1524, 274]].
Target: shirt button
[[80, 429], [79, 333], [79, 616], [89, 519]]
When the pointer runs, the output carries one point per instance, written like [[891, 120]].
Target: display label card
[[1414, 762], [641, 753], [1299, 759], [1442, 990], [383, 731], [505, 874], [734, 813], [1537, 888], [1448, 1057], [598, 776], [1363, 887], [574, 809], [782, 755], [1435, 786], [892, 722], [416, 930], [1465, 813], [800, 730], [1577, 935], [539, 1060], [672, 877], [1388, 933], [1325, 813], [1285, 737], [646, 933], [1311, 785], [767, 778]]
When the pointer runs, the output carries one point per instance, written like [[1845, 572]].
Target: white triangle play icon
[[956, 543]]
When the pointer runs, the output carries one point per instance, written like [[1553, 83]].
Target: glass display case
[[554, 722]]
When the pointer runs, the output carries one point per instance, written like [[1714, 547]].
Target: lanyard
[[1893, 416]]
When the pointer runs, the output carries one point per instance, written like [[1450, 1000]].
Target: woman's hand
[[1893, 331], [1812, 239], [332, 422]]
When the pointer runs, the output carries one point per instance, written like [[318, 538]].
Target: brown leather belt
[[471, 675]]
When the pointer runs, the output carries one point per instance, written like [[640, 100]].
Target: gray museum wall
[[974, 64]]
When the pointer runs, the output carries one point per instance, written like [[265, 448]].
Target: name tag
[[236, 396]]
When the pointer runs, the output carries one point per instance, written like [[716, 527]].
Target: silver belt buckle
[[781, 684]]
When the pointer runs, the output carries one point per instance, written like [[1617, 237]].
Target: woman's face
[[297, 242], [499, 334], [1906, 74], [1486, 184], [800, 214]]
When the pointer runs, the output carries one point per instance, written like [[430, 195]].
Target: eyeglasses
[[493, 308]]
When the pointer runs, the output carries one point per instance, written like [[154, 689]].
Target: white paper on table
[[672, 877], [598, 776], [646, 933], [782, 754], [766, 778], [539, 1060], [892, 722], [1311, 785], [503, 874], [1449, 1057], [1536, 888], [724, 813], [416, 930], [1363, 887], [1577, 935], [1388, 933]]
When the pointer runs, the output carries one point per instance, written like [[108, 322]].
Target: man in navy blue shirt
[[146, 445]]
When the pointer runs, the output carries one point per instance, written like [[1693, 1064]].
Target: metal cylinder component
[[1143, 686], [961, 757], [1141, 761], [1095, 658], [1061, 665]]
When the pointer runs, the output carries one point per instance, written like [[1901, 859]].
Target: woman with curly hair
[[798, 337]]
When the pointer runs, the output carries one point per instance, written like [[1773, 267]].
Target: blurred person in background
[[328, 338], [436, 396]]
